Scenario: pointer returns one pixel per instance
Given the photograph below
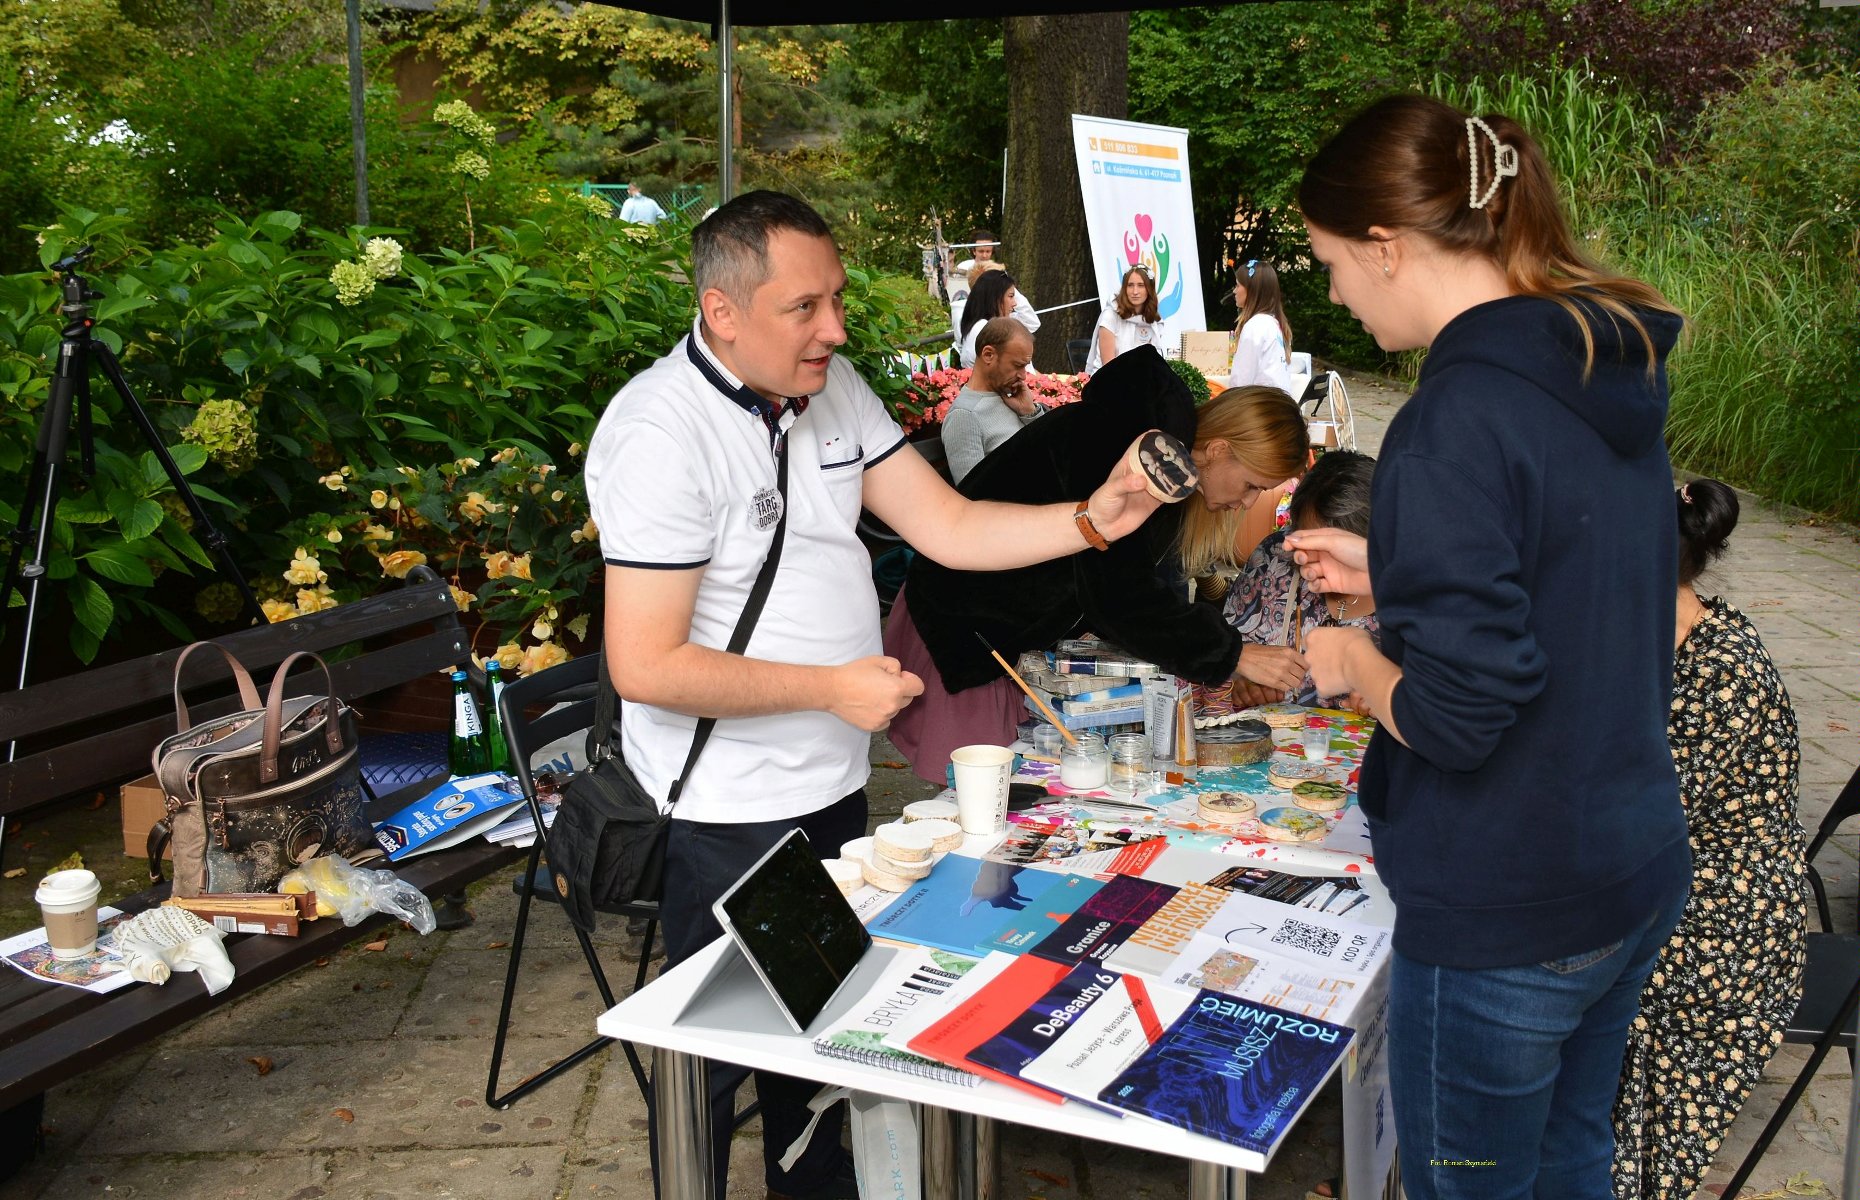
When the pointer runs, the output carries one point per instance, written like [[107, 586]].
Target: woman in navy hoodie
[[1522, 555]]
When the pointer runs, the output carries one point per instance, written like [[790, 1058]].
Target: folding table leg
[[1210, 1181], [961, 1156], [681, 1103]]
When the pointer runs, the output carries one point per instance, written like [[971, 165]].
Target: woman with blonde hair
[[1134, 595], [1262, 335], [1522, 555], [1127, 322]]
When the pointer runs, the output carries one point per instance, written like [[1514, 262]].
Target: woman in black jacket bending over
[[1245, 441]]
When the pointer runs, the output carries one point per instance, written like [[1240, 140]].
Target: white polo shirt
[[681, 476]]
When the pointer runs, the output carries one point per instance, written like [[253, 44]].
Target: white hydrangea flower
[[354, 283], [382, 257]]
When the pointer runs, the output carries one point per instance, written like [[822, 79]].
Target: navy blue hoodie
[[1523, 555]]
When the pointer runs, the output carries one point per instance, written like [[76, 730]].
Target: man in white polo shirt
[[682, 481]]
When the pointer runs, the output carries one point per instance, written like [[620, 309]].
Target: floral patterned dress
[[1259, 603], [1725, 985]]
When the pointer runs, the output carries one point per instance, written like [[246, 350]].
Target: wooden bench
[[99, 728]]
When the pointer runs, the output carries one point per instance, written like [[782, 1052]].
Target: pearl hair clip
[[1504, 162]]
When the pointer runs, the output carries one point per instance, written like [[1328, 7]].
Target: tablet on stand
[[798, 955]]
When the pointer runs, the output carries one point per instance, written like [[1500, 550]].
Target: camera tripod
[[70, 395]]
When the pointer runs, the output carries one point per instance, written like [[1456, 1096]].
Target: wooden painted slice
[[1292, 825], [1320, 795], [1227, 808], [1167, 466]]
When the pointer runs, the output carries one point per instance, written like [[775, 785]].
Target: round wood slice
[[930, 810], [903, 843], [1288, 772], [944, 835], [884, 881], [1233, 745], [1279, 716], [846, 874]]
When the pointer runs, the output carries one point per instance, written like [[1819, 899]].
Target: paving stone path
[[373, 1066]]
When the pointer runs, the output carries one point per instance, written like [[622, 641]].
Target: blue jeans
[[1503, 1079]]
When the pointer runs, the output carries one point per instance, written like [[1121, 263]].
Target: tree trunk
[[1056, 66]]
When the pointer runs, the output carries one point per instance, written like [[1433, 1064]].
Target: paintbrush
[[1031, 694]]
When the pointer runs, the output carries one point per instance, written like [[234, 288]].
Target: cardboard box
[[143, 805]]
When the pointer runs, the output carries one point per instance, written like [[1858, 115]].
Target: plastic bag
[[345, 890], [886, 1144], [156, 943]]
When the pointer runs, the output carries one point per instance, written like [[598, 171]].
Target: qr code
[[1311, 938]]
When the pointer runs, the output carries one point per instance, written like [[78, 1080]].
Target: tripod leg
[[210, 536], [37, 507]]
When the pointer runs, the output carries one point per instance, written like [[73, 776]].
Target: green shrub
[[295, 372]]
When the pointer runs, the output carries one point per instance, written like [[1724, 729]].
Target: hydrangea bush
[[298, 374]]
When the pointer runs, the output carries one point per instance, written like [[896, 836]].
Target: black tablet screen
[[792, 921]]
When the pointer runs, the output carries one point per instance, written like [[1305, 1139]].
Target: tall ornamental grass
[[1753, 230]]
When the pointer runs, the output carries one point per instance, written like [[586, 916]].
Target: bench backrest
[[73, 740]]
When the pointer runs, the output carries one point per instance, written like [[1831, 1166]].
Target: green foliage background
[[203, 146]]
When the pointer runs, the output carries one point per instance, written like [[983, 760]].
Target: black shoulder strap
[[601, 735]]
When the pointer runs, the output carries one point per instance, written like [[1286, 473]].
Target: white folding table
[[959, 1134]]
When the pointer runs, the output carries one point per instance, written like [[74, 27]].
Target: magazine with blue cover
[[1232, 1070], [1047, 912], [963, 903]]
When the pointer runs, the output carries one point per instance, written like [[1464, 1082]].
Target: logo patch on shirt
[[765, 509]]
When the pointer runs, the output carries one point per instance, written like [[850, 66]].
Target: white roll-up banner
[[1139, 212]]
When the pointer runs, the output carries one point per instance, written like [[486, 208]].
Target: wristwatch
[[1081, 516]]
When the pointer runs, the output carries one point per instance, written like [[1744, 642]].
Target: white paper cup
[[982, 787], [68, 901]]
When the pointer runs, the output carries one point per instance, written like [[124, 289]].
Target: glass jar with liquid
[[1085, 764]]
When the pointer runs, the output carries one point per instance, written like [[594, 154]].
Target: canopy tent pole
[[726, 117]]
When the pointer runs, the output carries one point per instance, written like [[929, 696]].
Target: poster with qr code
[[1350, 949]]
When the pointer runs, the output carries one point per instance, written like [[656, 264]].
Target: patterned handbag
[[254, 793]]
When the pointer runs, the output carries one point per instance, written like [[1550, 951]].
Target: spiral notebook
[[915, 982]]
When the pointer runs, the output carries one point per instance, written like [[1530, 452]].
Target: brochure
[[1248, 973], [1099, 927], [909, 1025], [987, 1013], [1025, 1037], [1152, 948], [1096, 1047], [916, 979], [457, 809]]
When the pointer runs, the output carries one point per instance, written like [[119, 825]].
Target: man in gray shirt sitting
[[996, 403]]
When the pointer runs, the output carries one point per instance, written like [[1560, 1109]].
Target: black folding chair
[[1846, 805], [572, 685], [1824, 1019]]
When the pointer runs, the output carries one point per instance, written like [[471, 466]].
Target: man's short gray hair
[[730, 247], [999, 333]]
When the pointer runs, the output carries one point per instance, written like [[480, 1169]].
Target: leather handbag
[[607, 844], [256, 792]]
